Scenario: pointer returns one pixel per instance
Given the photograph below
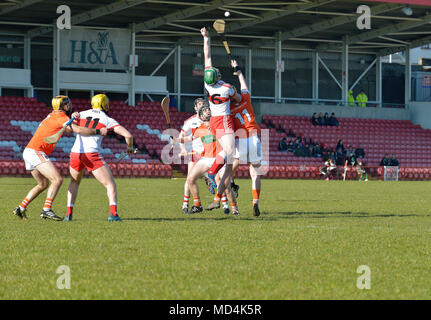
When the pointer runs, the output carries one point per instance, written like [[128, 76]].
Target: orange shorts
[[91, 161], [221, 125]]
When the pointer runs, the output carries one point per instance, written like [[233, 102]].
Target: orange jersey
[[209, 140], [50, 125], [243, 115]]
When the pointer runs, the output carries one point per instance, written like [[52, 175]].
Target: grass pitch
[[307, 244]]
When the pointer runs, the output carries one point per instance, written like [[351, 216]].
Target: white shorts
[[33, 158], [207, 161], [248, 150]]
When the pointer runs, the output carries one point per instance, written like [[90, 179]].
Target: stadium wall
[[420, 113], [305, 110]]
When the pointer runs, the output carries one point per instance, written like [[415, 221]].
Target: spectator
[[385, 161], [359, 152], [326, 119], [290, 146], [333, 121], [321, 119], [315, 119], [350, 156], [362, 99], [340, 153], [297, 144], [350, 99], [282, 146], [393, 161], [317, 150]]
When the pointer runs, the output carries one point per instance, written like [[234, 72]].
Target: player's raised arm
[[127, 135], [241, 77], [207, 49]]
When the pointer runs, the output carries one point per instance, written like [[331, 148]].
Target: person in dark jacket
[[385, 161], [333, 121], [393, 161], [315, 119], [359, 152], [282, 146], [326, 119], [340, 153]]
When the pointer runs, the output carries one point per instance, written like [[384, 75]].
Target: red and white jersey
[[189, 128], [95, 119], [219, 98]]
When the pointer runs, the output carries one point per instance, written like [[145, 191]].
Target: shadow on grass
[[347, 214], [191, 218], [274, 216]]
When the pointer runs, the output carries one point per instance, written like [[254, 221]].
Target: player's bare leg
[[227, 142], [72, 191], [49, 171], [228, 192], [42, 184], [185, 208], [105, 177], [216, 204], [198, 170]]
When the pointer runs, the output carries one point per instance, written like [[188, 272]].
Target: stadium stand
[[20, 117]]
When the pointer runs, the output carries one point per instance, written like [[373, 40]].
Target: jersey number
[[241, 118], [215, 98], [95, 122]]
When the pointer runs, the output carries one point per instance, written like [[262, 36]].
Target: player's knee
[[43, 184], [190, 181], [111, 185], [57, 180]]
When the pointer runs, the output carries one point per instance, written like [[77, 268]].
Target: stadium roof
[[300, 24]]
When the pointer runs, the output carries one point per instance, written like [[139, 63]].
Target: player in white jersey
[[220, 95], [193, 149], [85, 154]]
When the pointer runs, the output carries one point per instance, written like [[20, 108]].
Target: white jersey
[[219, 97], [189, 127], [95, 119]]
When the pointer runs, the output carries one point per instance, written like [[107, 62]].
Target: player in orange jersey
[[247, 143], [36, 154], [209, 141], [193, 148]]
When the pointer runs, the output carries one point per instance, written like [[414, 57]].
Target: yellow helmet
[[100, 102], [58, 102]]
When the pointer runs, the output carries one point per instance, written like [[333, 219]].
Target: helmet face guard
[[212, 76], [199, 103], [100, 102], [59, 102], [204, 115]]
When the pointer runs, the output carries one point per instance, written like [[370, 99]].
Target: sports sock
[[70, 209], [234, 206], [217, 197], [113, 209], [24, 204], [217, 165], [48, 204], [224, 201], [197, 201], [186, 201], [256, 195]]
